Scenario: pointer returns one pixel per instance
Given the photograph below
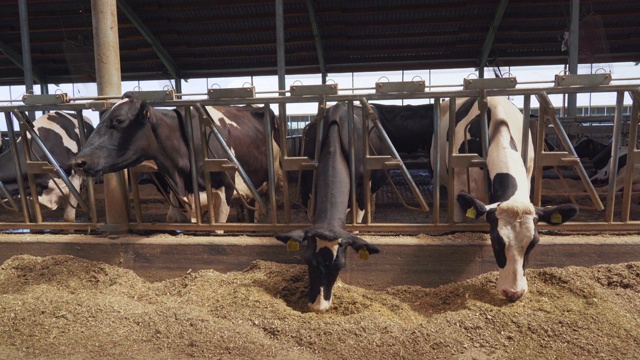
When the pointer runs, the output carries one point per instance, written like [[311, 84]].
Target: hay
[[66, 307]]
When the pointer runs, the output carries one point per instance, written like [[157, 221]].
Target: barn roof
[[202, 38]]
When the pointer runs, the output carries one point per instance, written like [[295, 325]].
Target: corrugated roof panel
[[238, 37]]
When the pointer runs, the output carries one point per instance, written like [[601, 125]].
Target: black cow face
[[325, 257], [513, 232], [120, 140]]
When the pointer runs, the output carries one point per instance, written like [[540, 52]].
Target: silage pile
[[65, 307]]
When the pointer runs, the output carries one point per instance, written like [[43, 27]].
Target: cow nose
[[513, 296], [78, 163]]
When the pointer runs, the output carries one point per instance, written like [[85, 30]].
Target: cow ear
[[144, 112], [358, 244], [128, 95], [556, 215], [101, 113], [471, 206], [296, 235]]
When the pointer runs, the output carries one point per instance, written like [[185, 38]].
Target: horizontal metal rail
[[430, 224]]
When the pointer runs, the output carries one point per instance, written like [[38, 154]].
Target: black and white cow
[[326, 239], [60, 135], [409, 127], [602, 165], [587, 148], [132, 132], [511, 216]]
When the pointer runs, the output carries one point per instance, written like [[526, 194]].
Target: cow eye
[[119, 121]]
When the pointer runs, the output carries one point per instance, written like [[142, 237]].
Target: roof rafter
[[16, 58], [316, 36], [162, 53], [488, 41]]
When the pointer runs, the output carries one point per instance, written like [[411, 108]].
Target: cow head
[[513, 232], [325, 257], [119, 141]]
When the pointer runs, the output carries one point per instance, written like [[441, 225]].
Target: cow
[[587, 148], [511, 216], [602, 165], [326, 240], [59, 133], [132, 131], [409, 127]]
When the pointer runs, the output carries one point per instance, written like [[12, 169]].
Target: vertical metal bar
[[280, 54], [451, 196], [366, 179], [178, 82], [90, 190], [188, 119], [319, 134], [526, 109], [483, 104], [435, 163], [271, 165], [613, 163], [352, 163], [133, 176], [632, 153], [104, 15], [207, 175], [27, 159], [574, 33], [537, 161], [282, 107], [284, 152], [16, 161], [23, 14]]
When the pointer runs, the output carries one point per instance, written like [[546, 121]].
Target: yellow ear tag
[[556, 218], [471, 213], [293, 245], [364, 254]]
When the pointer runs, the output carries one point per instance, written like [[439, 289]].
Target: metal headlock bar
[[633, 155], [474, 88], [386, 162], [222, 166], [557, 158]]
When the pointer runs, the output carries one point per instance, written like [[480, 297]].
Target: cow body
[[511, 216], [587, 148], [409, 127], [60, 134], [326, 239], [133, 132], [602, 165]]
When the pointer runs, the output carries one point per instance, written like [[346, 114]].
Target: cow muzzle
[[81, 166]]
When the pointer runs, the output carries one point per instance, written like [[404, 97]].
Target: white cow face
[[513, 232], [513, 236]]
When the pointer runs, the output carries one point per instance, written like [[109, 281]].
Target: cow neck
[[172, 182], [332, 189]]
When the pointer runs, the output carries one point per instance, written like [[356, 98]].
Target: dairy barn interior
[[120, 218]]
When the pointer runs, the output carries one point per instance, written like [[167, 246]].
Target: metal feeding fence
[[278, 203]]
